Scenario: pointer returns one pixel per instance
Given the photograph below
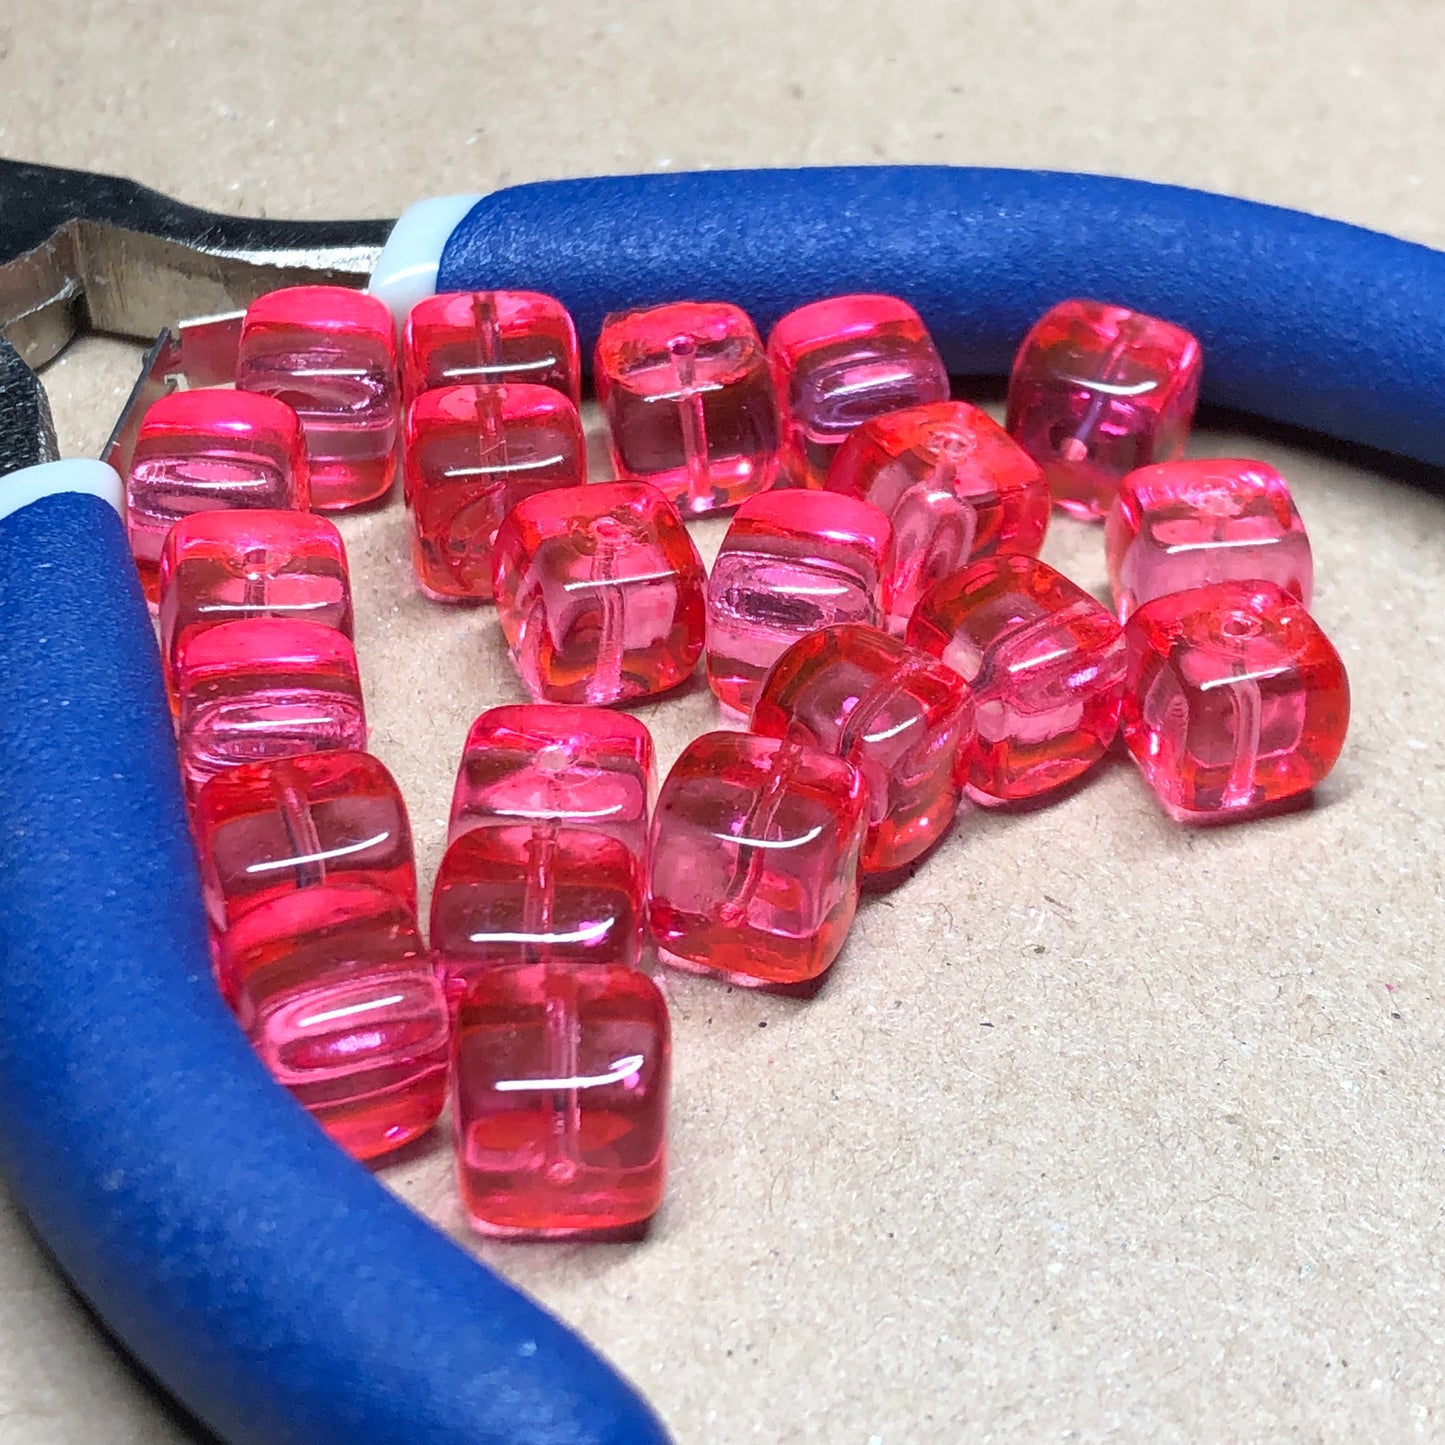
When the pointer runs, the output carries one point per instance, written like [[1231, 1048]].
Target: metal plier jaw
[[84, 252]]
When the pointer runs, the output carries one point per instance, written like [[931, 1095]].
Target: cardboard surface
[[1100, 1128]]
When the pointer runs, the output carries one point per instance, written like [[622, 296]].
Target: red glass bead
[[1180, 525], [523, 893], [330, 354], [201, 451], [582, 767], [471, 454], [954, 485], [265, 688], [599, 592], [754, 858], [689, 403], [224, 566], [1098, 390], [839, 363], [902, 718], [266, 829], [1046, 665], [335, 990], [1235, 699], [559, 1100], [490, 338], [791, 562]]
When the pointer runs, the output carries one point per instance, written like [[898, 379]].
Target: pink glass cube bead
[[754, 858], [689, 403], [599, 592], [559, 1100], [330, 354], [580, 767], [225, 566], [472, 453], [901, 717], [1235, 701], [839, 363], [1046, 665], [954, 485], [267, 829], [334, 987], [203, 451], [262, 689], [534, 893], [491, 338], [1180, 525], [1098, 390], [792, 562]]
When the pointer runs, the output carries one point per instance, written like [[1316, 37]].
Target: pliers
[[263, 1278]]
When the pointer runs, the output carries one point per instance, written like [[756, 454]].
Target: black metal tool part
[[81, 251]]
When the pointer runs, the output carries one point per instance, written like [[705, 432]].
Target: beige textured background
[[1101, 1129]]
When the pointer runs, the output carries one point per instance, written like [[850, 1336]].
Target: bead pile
[[877, 615]]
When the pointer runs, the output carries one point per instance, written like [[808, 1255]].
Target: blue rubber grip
[[1304, 321], [267, 1281]]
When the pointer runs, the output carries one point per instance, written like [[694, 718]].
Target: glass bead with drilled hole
[[490, 338], [900, 716], [559, 1100], [509, 894], [1179, 525], [581, 767], [791, 562], [954, 485], [840, 362], [1045, 662], [209, 451], [334, 987], [264, 829], [1097, 390], [471, 454], [329, 353], [754, 858], [689, 402], [226, 566], [599, 592], [1235, 700], [265, 688]]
